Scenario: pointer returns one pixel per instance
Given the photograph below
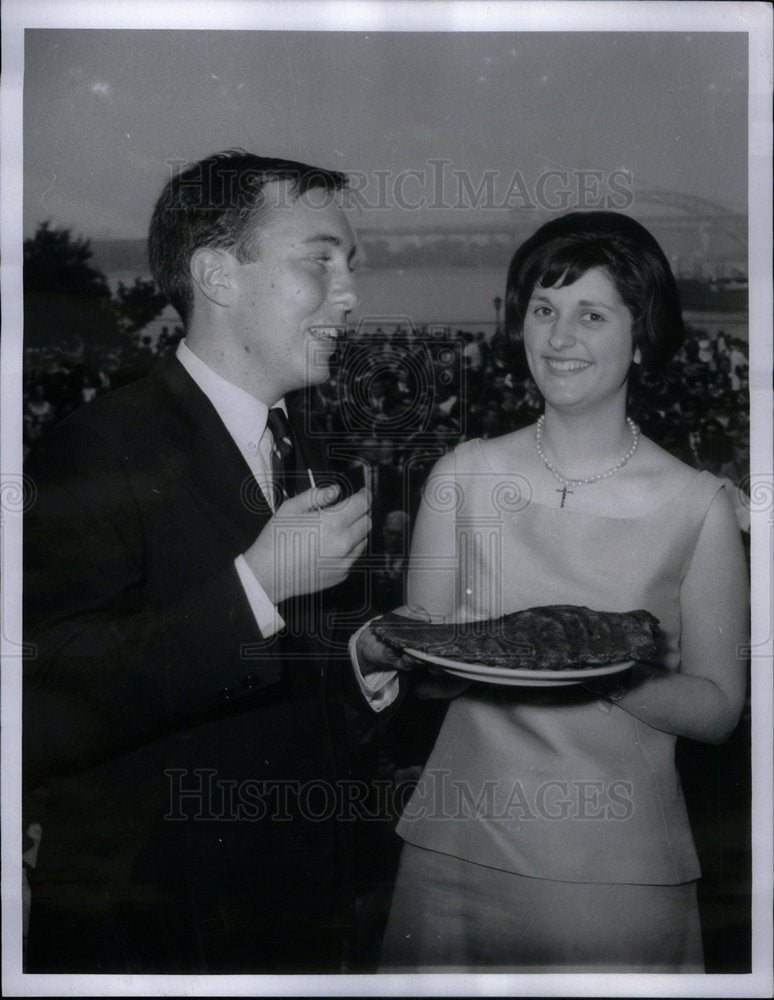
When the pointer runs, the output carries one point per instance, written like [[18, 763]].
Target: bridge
[[701, 238]]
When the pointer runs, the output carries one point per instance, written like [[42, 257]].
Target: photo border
[[750, 17]]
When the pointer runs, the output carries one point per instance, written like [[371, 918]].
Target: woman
[[549, 831]]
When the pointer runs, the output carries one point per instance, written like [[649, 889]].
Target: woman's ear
[[211, 273], [637, 356]]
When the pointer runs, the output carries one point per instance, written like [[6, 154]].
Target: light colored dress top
[[555, 783]]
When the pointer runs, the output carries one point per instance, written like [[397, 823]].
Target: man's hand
[[310, 543]]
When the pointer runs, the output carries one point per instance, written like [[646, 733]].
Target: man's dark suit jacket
[[189, 764]]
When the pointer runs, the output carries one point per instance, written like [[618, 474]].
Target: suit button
[[227, 694], [250, 681]]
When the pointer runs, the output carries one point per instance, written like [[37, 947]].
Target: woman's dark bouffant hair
[[565, 248]]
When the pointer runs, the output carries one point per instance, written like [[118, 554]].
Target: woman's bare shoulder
[[668, 474], [508, 450]]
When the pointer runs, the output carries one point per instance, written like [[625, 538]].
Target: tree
[[138, 304], [66, 299]]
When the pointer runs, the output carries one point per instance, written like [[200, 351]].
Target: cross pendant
[[564, 491]]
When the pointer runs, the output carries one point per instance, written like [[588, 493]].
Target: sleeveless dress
[[547, 819]]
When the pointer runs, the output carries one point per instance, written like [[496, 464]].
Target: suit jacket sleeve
[[132, 640]]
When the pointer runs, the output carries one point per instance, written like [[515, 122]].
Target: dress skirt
[[450, 915]]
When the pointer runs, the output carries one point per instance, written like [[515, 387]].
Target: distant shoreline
[[459, 296]]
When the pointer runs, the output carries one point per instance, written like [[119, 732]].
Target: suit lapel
[[204, 456]]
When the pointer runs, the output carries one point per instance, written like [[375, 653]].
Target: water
[[460, 297]]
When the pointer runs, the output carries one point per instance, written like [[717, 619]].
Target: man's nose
[[345, 291]]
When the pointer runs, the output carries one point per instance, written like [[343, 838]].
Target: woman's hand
[[376, 656]]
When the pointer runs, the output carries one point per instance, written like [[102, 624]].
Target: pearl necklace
[[567, 482]]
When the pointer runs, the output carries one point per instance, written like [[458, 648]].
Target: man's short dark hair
[[563, 250], [217, 203]]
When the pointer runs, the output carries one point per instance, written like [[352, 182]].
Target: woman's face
[[578, 341]]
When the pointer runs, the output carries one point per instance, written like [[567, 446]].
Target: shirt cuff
[[267, 618], [380, 689]]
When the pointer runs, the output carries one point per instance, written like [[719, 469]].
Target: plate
[[517, 678]]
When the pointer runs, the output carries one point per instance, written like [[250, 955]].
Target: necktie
[[281, 452]]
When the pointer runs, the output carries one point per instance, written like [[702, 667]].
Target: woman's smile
[[566, 366]]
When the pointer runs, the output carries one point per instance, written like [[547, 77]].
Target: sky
[[107, 111]]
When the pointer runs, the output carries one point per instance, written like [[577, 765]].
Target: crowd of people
[[402, 396], [62, 377]]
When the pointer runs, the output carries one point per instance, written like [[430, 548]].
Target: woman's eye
[[542, 311], [594, 317]]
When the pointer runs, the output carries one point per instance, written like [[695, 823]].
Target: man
[[386, 479], [181, 609], [389, 577]]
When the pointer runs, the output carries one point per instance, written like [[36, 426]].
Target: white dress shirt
[[244, 417]]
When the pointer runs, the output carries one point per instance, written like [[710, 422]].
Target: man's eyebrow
[[335, 241], [331, 240]]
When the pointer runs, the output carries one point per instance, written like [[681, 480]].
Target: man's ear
[[211, 270]]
